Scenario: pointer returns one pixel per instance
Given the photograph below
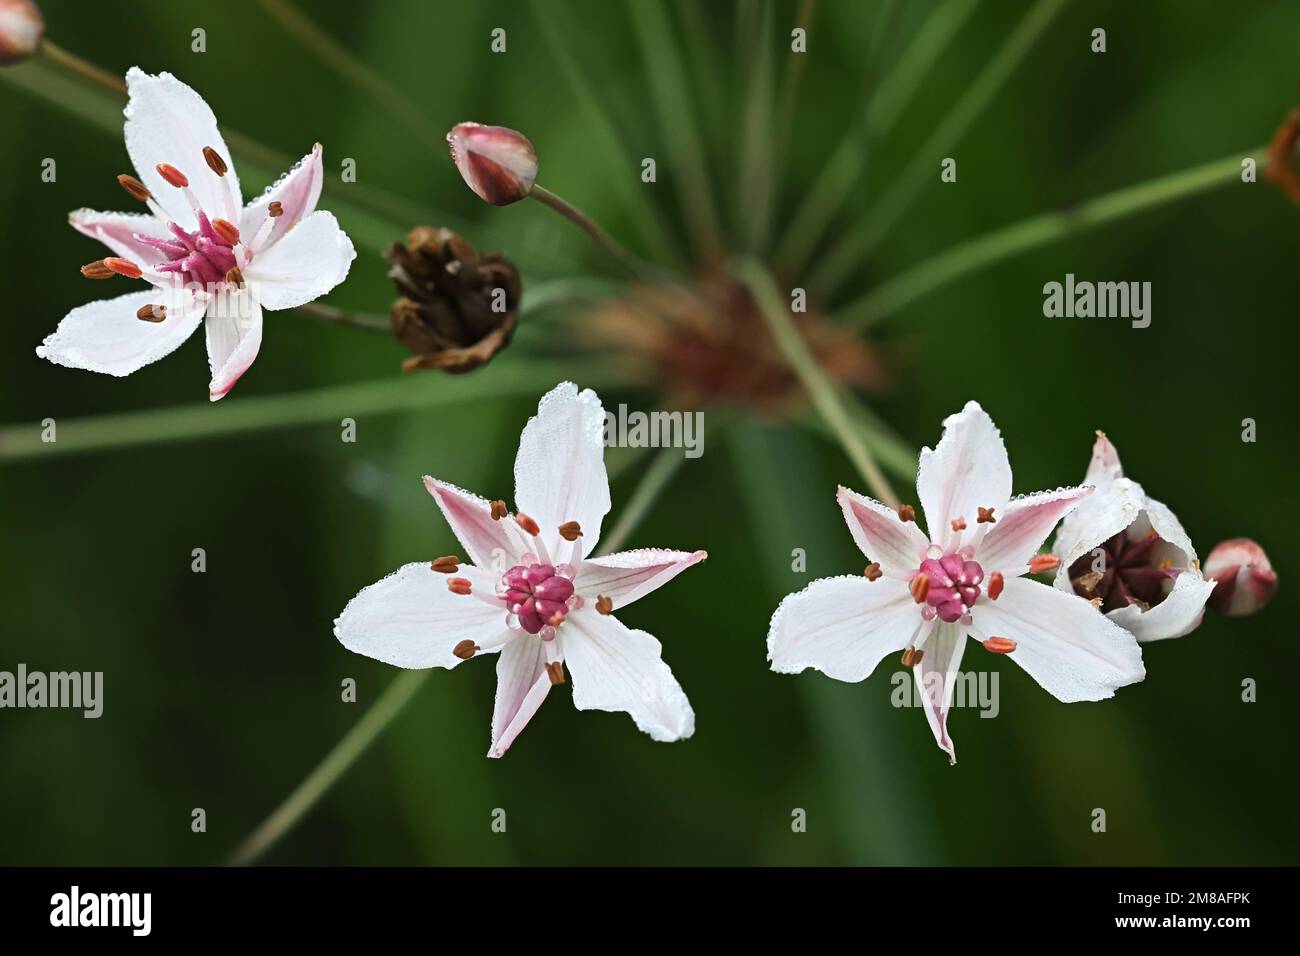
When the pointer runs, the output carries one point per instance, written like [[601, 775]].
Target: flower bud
[[21, 27], [496, 162], [1246, 579], [456, 307]]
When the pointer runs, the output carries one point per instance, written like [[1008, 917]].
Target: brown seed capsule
[[999, 645], [459, 585], [920, 587], [873, 571], [465, 650], [227, 230], [134, 187], [996, 584], [906, 513], [151, 313], [448, 564], [528, 524], [985, 516], [275, 210], [555, 671], [499, 510], [215, 162], [96, 270], [570, 531], [172, 175], [456, 307], [912, 657], [604, 604]]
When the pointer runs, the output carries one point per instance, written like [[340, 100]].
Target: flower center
[[539, 596], [1126, 572], [202, 257], [951, 585]]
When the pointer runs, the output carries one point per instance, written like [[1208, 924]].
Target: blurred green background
[[223, 688]]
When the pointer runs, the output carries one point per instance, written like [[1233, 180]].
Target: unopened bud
[[1246, 579], [21, 28], [498, 163]]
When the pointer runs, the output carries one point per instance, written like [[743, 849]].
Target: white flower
[[966, 579], [1130, 554], [203, 255], [532, 593]]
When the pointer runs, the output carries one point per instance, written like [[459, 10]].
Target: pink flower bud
[[497, 163], [1246, 579], [21, 27]]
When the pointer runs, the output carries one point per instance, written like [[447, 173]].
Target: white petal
[[1062, 641], [234, 335], [167, 122], [1179, 613], [410, 618], [297, 192], [117, 230], [616, 668], [1104, 467], [967, 470], [882, 536], [842, 626], [560, 468], [1024, 526], [628, 575], [1166, 524], [522, 685], [484, 539], [107, 337], [311, 259], [936, 679], [1097, 518]]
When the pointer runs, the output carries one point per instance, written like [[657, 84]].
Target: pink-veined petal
[[234, 336], [1104, 466], [411, 619], [168, 122], [1179, 613], [560, 468], [297, 192], [1062, 641], [882, 536], [1097, 518], [107, 336], [842, 626], [967, 470], [616, 668], [936, 679], [470, 517], [1166, 524], [522, 685], [118, 230], [308, 262], [628, 575], [1024, 526]]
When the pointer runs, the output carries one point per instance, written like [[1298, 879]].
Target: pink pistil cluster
[[540, 596], [948, 586]]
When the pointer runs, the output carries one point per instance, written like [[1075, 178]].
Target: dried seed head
[[996, 584], [1281, 167], [465, 650], [172, 175], [134, 188], [872, 571], [448, 564], [215, 162], [906, 513], [21, 29], [498, 163], [604, 604], [151, 313], [999, 645], [570, 531]]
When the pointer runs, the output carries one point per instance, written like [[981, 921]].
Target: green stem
[[402, 690], [1036, 231], [323, 312], [335, 56], [823, 392], [249, 414], [859, 242], [642, 270], [754, 187]]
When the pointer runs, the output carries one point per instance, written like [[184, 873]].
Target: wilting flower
[[456, 308], [1128, 554], [200, 252], [1245, 577], [533, 593], [925, 595], [21, 28], [496, 162]]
